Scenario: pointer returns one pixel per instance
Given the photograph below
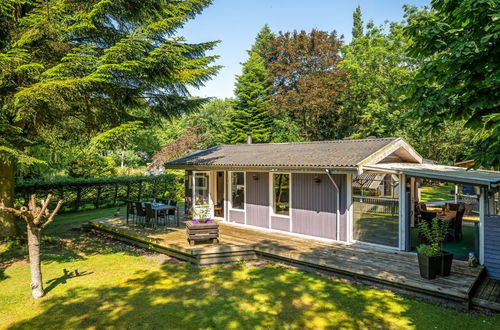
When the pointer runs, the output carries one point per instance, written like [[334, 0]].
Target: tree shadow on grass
[[237, 296]]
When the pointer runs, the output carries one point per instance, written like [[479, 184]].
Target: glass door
[[220, 179]]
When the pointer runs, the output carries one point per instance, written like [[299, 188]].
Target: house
[[351, 191]]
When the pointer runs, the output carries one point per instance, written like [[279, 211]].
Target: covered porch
[[391, 269]]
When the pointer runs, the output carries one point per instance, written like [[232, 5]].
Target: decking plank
[[392, 268]]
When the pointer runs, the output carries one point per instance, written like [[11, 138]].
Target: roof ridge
[[314, 142]]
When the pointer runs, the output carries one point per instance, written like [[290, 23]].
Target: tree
[[307, 82], [37, 218], [250, 115], [357, 26], [378, 67], [89, 66], [457, 42]]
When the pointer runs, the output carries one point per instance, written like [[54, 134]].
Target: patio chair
[[170, 212], [427, 216], [130, 210], [140, 212], [451, 206], [151, 217], [455, 228]]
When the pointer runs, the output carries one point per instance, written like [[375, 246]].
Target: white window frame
[[230, 192], [210, 202], [271, 197]]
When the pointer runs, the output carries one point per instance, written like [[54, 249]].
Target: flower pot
[[446, 260], [428, 266]]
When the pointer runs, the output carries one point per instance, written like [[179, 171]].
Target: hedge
[[96, 193]]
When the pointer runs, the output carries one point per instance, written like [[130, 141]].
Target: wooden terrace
[[394, 270]]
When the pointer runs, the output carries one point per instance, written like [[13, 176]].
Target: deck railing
[[379, 205]]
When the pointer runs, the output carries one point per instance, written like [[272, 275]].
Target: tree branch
[[51, 217], [41, 211]]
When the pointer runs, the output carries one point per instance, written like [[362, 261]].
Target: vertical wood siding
[[257, 199], [491, 245], [237, 216], [280, 223], [313, 205]]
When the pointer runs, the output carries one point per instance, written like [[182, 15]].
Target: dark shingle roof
[[339, 153]]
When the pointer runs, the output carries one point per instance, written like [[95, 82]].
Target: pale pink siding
[[237, 216], [280, 223], [257, 199]]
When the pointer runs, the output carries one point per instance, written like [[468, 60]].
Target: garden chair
[[170, 212], [455, 228], [130, 210], [140, 212]]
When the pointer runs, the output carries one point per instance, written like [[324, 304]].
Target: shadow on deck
[[397, 271]]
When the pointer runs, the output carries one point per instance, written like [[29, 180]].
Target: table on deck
[[160, 207]]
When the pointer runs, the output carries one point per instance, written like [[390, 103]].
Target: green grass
[[436, 193], [119, 288]]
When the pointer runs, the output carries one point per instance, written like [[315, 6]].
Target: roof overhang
[[456, 174], [309, 169]]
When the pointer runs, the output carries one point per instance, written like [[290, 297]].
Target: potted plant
[[202, 228], [434, 233], [428, 260]]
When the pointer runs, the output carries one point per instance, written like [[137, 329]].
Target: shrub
[[92, 166]]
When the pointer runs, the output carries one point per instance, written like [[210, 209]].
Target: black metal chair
[[427, 216], [170, 212], [130, 210], [140, 212], [455, 228], [150, 215], [452, 206]]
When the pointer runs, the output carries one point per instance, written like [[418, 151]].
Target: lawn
[[121, 287], [438, 192]]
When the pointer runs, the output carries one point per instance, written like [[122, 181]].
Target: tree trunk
[[34, 254], [7, 224], [122, 159]]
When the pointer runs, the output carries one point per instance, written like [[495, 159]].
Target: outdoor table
[[160, 207]]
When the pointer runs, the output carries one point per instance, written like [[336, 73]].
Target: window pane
[[201, 188], [376, 209], [238, 190], [281, 188]]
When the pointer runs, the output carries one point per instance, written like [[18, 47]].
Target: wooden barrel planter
[[202, 231]]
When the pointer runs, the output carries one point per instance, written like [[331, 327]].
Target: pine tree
[[250, 115], [87, 66], [357, 27]]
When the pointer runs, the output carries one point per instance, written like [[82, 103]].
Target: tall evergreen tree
[[88, 66], [250, 115], [357, 27]]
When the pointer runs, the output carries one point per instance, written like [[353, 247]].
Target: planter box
[[197, 232], [428, 266], [445, 261]]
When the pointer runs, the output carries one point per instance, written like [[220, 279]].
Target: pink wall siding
[[257, 199], [280, 223], [237, 216], [313, 205]]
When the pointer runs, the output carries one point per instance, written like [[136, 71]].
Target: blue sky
[[237, 22]]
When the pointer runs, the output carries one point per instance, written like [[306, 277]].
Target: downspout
[[337, 203]]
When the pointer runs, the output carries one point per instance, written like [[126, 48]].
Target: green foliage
[[378, 67], [457, 43], [435, 232], [251, 115], [357, 26], [92, 166], [84, 193], [70, 68], [428, 250]]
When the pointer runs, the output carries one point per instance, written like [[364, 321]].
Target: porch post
[[403, 219], [482, 210], [349, 208]]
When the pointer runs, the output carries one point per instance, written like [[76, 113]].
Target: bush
[[92, 166], [88, 193]]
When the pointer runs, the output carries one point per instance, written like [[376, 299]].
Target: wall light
[[255, 177], [317, 179]]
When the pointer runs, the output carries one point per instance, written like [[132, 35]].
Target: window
[[281, 194], [238, 190], [201, 194]]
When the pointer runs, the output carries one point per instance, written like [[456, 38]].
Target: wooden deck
[[487, 294], [392, 269]]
